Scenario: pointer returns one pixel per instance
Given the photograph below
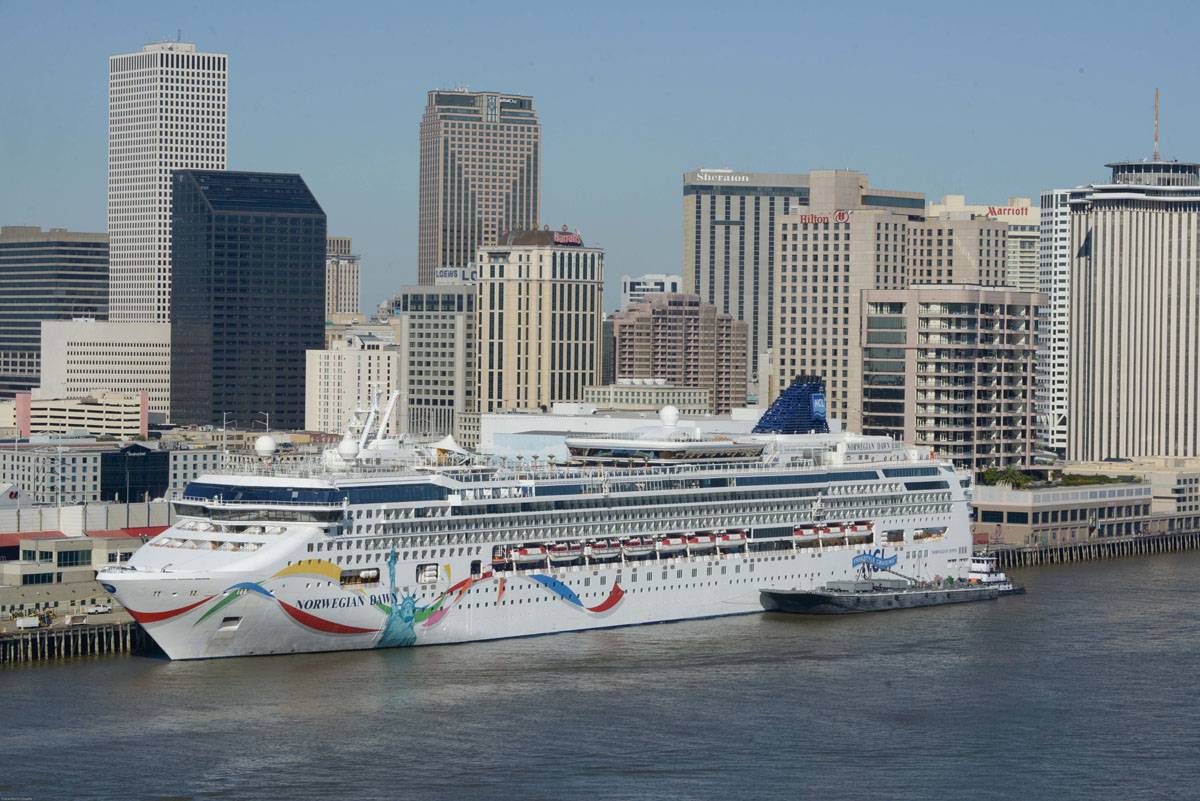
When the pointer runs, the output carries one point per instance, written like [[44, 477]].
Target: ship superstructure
[[382, 543]]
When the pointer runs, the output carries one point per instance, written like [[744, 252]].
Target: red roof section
[[137, 531], [12, 539]]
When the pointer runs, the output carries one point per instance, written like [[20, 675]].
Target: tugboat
[[984, 572]]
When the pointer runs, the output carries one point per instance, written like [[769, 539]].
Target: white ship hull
[[306, 610]]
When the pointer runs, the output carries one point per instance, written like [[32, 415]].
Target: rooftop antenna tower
[[1156, 156]]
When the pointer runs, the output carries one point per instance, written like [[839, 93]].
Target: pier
[[1113, 548], [65, 642]]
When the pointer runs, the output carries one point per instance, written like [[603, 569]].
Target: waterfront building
[[249, 264], [633, 289], [167, 110], [729, 221], [1134, 387], [951, 368], [1054, 328], [685, 342], [1056, 514], [1022, 237], [341, 278], [435, 330], [44, 275], [649, 395], [1174, 481], [538, 322], [101, 414], [84, 357], [850, 238], [349, 375], [480, 175]]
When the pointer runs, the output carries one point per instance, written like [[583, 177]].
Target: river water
[[1081, 689]]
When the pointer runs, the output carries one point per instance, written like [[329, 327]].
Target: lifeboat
[[668, 546], [529, 555], [604, 549], [636, 546], [562, 552], [805, 533], [833, 533], [731, 540], [701, 543]]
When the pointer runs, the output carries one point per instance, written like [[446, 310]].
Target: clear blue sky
[[987, 99]]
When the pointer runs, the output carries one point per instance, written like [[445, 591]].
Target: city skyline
[[615, 144]]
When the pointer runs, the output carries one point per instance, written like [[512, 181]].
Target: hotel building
[[839, 246], [1021, 256], [352, 372], [85, 357], [538, 322], [685, 342]]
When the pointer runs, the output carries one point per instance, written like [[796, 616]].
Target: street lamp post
[[267, 424]]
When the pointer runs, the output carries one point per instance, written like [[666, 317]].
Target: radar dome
[[669, 415], [264, 446], [347, 449]]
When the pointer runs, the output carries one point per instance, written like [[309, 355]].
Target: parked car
[[98, 609]]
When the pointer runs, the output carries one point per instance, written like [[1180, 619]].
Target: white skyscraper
[[166, 111], [1054, 324]]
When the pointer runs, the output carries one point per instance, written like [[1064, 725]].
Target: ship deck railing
[[499, 470]]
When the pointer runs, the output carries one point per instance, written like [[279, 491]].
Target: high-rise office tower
[[166, 111], [44, 275], [729, 259], [685, 342], [1054, 329], [480, 175], [249, 270], [1134, 386], [539, 315], [341, 278]]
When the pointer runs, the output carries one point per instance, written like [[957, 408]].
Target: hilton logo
[[841, 216]]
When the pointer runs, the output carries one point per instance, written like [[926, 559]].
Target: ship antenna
[[1156, 156]]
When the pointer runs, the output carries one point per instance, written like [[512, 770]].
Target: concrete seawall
[[1115, 548]]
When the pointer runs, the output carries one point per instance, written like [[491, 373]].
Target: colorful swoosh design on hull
[[155, 617], [400, 616], [567, 594]]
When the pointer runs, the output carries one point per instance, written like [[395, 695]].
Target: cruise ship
[[380, 543]]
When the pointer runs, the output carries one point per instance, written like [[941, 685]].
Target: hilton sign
[[839, 216]]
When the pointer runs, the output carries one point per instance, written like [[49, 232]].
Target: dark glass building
[[44, 275], [134, 473], [248, 296]]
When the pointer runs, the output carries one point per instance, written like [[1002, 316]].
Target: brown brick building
[[687, 343]]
